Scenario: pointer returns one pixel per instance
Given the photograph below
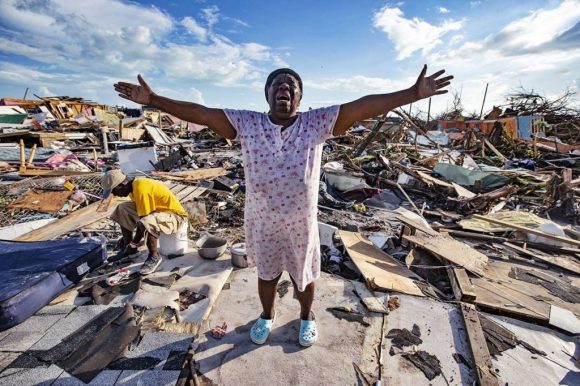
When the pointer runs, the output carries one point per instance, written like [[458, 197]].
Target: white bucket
[[174, 243]]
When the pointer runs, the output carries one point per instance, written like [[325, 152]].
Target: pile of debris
[[479, 213]]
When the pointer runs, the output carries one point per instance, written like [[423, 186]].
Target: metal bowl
[[211, 247]]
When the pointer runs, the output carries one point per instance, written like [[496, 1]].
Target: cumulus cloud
[[112, 39], [194, 28], [542, 32], [44, 91], [525, 52], [359, 84], [442, 10], [411, 35]]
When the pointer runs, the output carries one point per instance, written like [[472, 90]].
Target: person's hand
[[140, 93], [430, 85]]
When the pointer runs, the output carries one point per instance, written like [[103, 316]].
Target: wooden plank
[[481, 358], [73, 221], [50, 173], [194, 175], [528, 230], [454, 284], [198, 191], [380, 270], [451, 250], [465, 286], [571, 265], [500, 293], [492, 148], [185, 192], [369, 299]]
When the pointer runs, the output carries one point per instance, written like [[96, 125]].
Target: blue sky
[[220, 52]]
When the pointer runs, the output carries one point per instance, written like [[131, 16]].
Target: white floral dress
[[282, 169]]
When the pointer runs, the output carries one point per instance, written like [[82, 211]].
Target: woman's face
[[284, 96]]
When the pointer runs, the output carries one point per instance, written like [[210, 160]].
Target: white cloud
[[410, 35], [360, 84], [442, 10], [211, 15], [96, 39], [194, 28], [474, 3], [528, 52], [540, 27], [44, 91]]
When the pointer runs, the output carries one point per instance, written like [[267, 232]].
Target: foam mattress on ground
[[32, 274]]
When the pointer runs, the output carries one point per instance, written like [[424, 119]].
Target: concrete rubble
[[450, 250]]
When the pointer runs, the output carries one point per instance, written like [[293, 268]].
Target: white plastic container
[[174, 243]]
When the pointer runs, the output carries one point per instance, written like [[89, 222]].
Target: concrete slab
[[67, 325], [442, 333], [38, 376], [148, 378], [105, 378], [235, 360]]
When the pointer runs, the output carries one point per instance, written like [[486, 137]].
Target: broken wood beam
[[75, 220], [451, 250], [528, 230], [467, 292], [380, 270], [478, 346], [369, 138], [32, 154]]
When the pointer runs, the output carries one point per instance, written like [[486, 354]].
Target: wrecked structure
[[465, 234]]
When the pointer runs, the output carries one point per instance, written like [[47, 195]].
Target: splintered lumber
[[528, 230], [461, 285], [371, 302], [498, 292], [451, 250], [569, 264], [193, 175], [481, 358], [380, 270], [74, 221]]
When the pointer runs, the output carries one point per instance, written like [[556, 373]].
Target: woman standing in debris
[[282, 154]]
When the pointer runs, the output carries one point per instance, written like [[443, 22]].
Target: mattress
[[34, 273]]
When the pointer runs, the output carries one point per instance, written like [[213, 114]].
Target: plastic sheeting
[[487, 180]]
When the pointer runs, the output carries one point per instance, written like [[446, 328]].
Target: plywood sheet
[[379, 269], [499, 292], [41, 201], [451, 250]]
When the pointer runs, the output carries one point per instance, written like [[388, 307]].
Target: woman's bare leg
[[306, 298], [267, 292]]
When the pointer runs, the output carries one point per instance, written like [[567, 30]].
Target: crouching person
[[153, 210]]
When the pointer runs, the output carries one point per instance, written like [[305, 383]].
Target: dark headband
[[279, 71]]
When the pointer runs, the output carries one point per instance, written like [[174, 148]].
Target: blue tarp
[[32, 274]]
